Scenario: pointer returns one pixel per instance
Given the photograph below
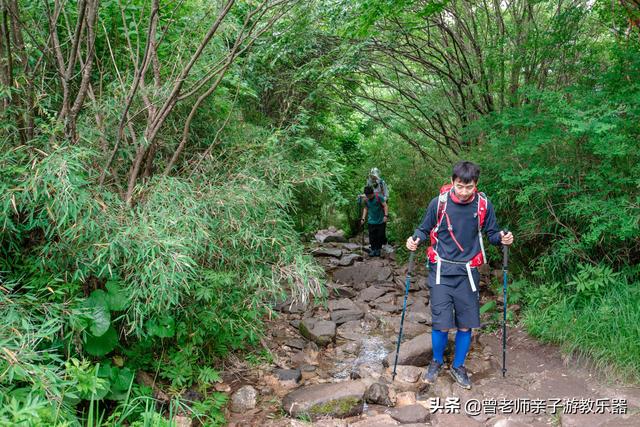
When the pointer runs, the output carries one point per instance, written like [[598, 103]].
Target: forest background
[[163, 162]]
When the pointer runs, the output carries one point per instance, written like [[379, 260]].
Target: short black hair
[[466, 171], [368, 190]]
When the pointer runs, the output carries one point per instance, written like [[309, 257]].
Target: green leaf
[[101, 345], [491, 305], [116, 296], [99, 312], [101, 321], [163, 328]]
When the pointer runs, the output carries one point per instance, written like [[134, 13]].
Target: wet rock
[[244, 399], [337, 290], [381, 420], [409, 329], [408, 374], [351, 246], [325, 251], [348, 259], [372, 293], [453, 420], [330, 235], [378, 393], [295, 343], [291, 307], [339, 400], [288, 375], [295, 323], [372, 370], [442, 387], [415, 352], [351, 347], [363, 273], [322, 332], [406, 398], [410, 414], [587, 420], [344, 310], [387, 307]]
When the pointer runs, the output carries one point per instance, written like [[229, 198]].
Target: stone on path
[[363, 273], [290, 307], [405, 398], [415, 352], [372, 293], [382, 420], [379, 394], [322, 332], [410, 414], [407, 374], [348, 259], [338, 290], [325, 251], [244, 399], [288, 376], [330, 235], [345, 310], [343, 399]]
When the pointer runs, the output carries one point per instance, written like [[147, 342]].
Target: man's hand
[[386, 218], [412, 245], [506, 239]]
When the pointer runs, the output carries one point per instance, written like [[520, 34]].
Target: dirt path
[[331, 365]]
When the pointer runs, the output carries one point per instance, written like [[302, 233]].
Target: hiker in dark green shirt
[[376, 212]]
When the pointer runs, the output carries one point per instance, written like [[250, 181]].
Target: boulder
[[322, 332], [345, 310], [325, 251], [342, 399], [371, 293], [378, 393], [380, 420], [415, 352], [363, 273], [410, 414], [244, 399], [348, 259], [330, 235]]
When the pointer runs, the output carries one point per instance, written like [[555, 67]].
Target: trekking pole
[[407, 284], [505, 268]]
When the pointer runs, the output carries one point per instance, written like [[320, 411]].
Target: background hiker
[[376, 213], [454, 221], [375, 181]]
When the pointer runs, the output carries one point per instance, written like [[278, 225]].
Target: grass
[[604, 328]]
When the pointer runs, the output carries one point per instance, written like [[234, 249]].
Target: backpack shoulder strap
[[482, 209]]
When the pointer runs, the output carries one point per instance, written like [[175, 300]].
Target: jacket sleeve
[[428, 222], [490, 226], [385, 190]]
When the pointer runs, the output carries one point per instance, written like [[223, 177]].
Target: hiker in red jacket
[[454, 223]]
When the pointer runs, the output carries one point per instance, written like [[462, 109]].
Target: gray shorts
[[453, 303]]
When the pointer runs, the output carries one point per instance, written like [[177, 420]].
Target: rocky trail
[[332, 363]]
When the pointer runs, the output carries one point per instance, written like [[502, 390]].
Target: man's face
[[370, 196], [464, 191]]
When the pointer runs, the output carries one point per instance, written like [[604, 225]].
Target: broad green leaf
[[101, 345]]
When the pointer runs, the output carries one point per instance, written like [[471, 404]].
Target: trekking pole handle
[[505, 253]]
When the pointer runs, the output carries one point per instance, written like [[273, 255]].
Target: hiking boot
[[460, 375], [433, 370]]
